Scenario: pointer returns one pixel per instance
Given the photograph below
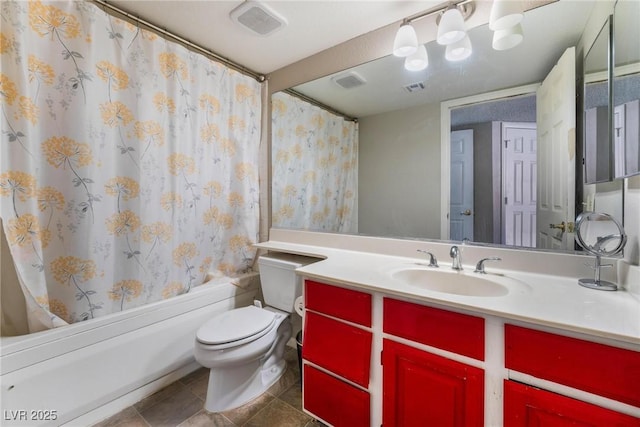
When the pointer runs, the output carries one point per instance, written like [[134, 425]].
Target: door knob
[[562, 226], [467, 212]]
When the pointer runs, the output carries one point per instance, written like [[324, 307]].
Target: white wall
[[399, 173]]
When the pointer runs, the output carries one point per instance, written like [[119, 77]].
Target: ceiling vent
[[414, 87], [349, 80], [258, 18]]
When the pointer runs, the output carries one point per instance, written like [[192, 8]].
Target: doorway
[[485, 117]]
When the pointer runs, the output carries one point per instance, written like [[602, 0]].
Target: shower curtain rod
[[320, 104], [176, 38]]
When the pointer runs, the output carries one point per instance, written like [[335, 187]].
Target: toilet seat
[[236, 327]]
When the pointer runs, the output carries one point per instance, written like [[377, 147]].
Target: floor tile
[[293, 396], [278, 413], [168, 391], [241, 415], [195, 376], [128, 417], [290, 377], [207, 419], [315, 423], [173, 410], [199, 386]]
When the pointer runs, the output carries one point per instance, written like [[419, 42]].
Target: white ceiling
[[313, 25]]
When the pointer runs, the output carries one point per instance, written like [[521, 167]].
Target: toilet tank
[[280, 284]]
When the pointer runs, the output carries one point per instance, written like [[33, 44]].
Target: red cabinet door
[[333, 400], [422, 389], [526, 406]]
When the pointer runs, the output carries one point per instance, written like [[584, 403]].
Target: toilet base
[[231, 388]]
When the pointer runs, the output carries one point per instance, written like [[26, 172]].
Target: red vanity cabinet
[[336, 351], [421, 388], [527, 406], [600, 369]]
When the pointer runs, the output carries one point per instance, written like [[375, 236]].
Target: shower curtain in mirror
[[314, 167], [129, 163]]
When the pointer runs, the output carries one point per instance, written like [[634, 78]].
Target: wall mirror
[[400, 181], [598, 150], [626, 88]]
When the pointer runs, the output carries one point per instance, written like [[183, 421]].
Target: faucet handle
[[433, 262], [480, 264]]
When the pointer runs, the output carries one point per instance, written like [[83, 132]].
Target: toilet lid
[[235, 325]]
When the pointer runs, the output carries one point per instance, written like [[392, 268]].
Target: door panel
[[556, 117], [461, 198], [519, 184]]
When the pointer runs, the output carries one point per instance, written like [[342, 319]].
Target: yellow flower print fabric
[[314, 167], [128, 163]]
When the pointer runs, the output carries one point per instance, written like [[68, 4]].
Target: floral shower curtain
[[129, 163], [314, 167]]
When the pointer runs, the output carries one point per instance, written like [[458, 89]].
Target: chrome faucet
[[456, 254], [480, 264], [433, 262]]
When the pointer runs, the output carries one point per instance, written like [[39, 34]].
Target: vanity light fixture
[[507, 38], [451, 32], [459, 50], [417, 61], [451, 27], [504, 20], [406, 41], [505, 14]]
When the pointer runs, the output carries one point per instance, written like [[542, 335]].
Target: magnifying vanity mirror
[[600, 235], [392, 179]]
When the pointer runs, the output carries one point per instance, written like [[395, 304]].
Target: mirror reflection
[[402, 184], [598, 151], [626, 88]]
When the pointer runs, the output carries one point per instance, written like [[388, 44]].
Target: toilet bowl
[[244, 347]]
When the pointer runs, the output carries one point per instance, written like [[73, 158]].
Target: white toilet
[[244, 347]]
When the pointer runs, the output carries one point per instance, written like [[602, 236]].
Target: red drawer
[[455, 332], [338, 347], [526, 406], [600, 369], [335, 401], [346, 304]]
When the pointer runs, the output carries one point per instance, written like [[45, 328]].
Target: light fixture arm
[[466, 7]]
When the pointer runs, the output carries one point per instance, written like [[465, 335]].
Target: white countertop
[[548, 300]]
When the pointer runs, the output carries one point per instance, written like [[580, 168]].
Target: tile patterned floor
[[181, 404]]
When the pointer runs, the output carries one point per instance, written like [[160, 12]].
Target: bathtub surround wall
[[129, 163]]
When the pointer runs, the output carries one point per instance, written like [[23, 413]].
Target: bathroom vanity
[[380, 349]]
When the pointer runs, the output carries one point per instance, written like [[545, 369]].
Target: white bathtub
[[82, 373]]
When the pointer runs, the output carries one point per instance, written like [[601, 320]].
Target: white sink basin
[[456, 282]]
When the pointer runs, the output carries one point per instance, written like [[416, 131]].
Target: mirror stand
[[599, 234], [596, 283]]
